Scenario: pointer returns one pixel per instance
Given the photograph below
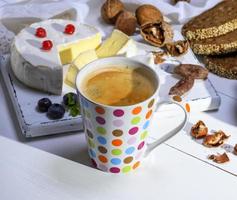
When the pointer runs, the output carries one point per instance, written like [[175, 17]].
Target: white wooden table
[[30, 173]]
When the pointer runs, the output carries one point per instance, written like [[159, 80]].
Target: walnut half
[[157, 33], [215, 140]]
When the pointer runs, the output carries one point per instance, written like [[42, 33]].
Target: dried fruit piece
[[126, 22], [158, 57], [219, 158], [177, 48], [69, 29], [147, 13], [157, 33], [110, 10], [40, 32], [196, 71], [199, 130], [182, 86], [47, 45], [216, 139]]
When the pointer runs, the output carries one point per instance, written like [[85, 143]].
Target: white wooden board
[[24, 101]]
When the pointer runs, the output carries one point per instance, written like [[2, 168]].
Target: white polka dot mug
[[116, 135]]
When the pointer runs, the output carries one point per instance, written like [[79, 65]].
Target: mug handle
[[186, 110]]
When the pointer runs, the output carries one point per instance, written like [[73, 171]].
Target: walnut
[[158, 57], [215, 140], [177, 48], [176, 1], [219, 158], [147, 13], [157, 33], [182, 86], [199, 130], [196, 71], [110, 10], [126, 22]]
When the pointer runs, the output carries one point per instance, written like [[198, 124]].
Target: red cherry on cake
[[40, 32], [69, 29], [47, 45]]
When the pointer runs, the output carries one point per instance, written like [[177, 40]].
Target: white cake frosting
[[43, 69]]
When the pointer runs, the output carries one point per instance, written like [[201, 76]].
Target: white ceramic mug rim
[[112, 59]]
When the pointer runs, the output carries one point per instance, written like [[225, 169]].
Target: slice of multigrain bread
[[217, 21], [223, 65], [217, 45]]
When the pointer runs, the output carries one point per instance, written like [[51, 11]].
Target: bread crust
[[219, 20], [224, 66]]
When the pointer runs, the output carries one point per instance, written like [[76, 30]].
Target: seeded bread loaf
[[217, 21], [217, 45], [223, 65]]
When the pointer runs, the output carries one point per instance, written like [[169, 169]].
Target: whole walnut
[[126, 22], [110, 10], [147, 13]]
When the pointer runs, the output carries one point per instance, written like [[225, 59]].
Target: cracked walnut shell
[[110, 10], [126, 22], [147, 13], [158, 57], [157, 33], [215, 140], [219, 158], [199, 130], [177, 48]]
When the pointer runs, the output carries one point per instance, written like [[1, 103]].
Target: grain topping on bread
[[217, 21]]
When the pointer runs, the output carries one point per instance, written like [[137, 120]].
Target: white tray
[[202, 97], [24, 101]]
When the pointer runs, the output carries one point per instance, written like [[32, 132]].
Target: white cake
[[42, 69]]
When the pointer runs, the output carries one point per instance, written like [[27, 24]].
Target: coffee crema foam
[[119, 86]]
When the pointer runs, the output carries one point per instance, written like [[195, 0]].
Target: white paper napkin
[[182, 11]]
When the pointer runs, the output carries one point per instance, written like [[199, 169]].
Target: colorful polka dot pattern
[[118, 113], [99, 110], [122, 151]]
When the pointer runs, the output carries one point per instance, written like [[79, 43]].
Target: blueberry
[[56, 111], [70, 99], [44, 104]]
